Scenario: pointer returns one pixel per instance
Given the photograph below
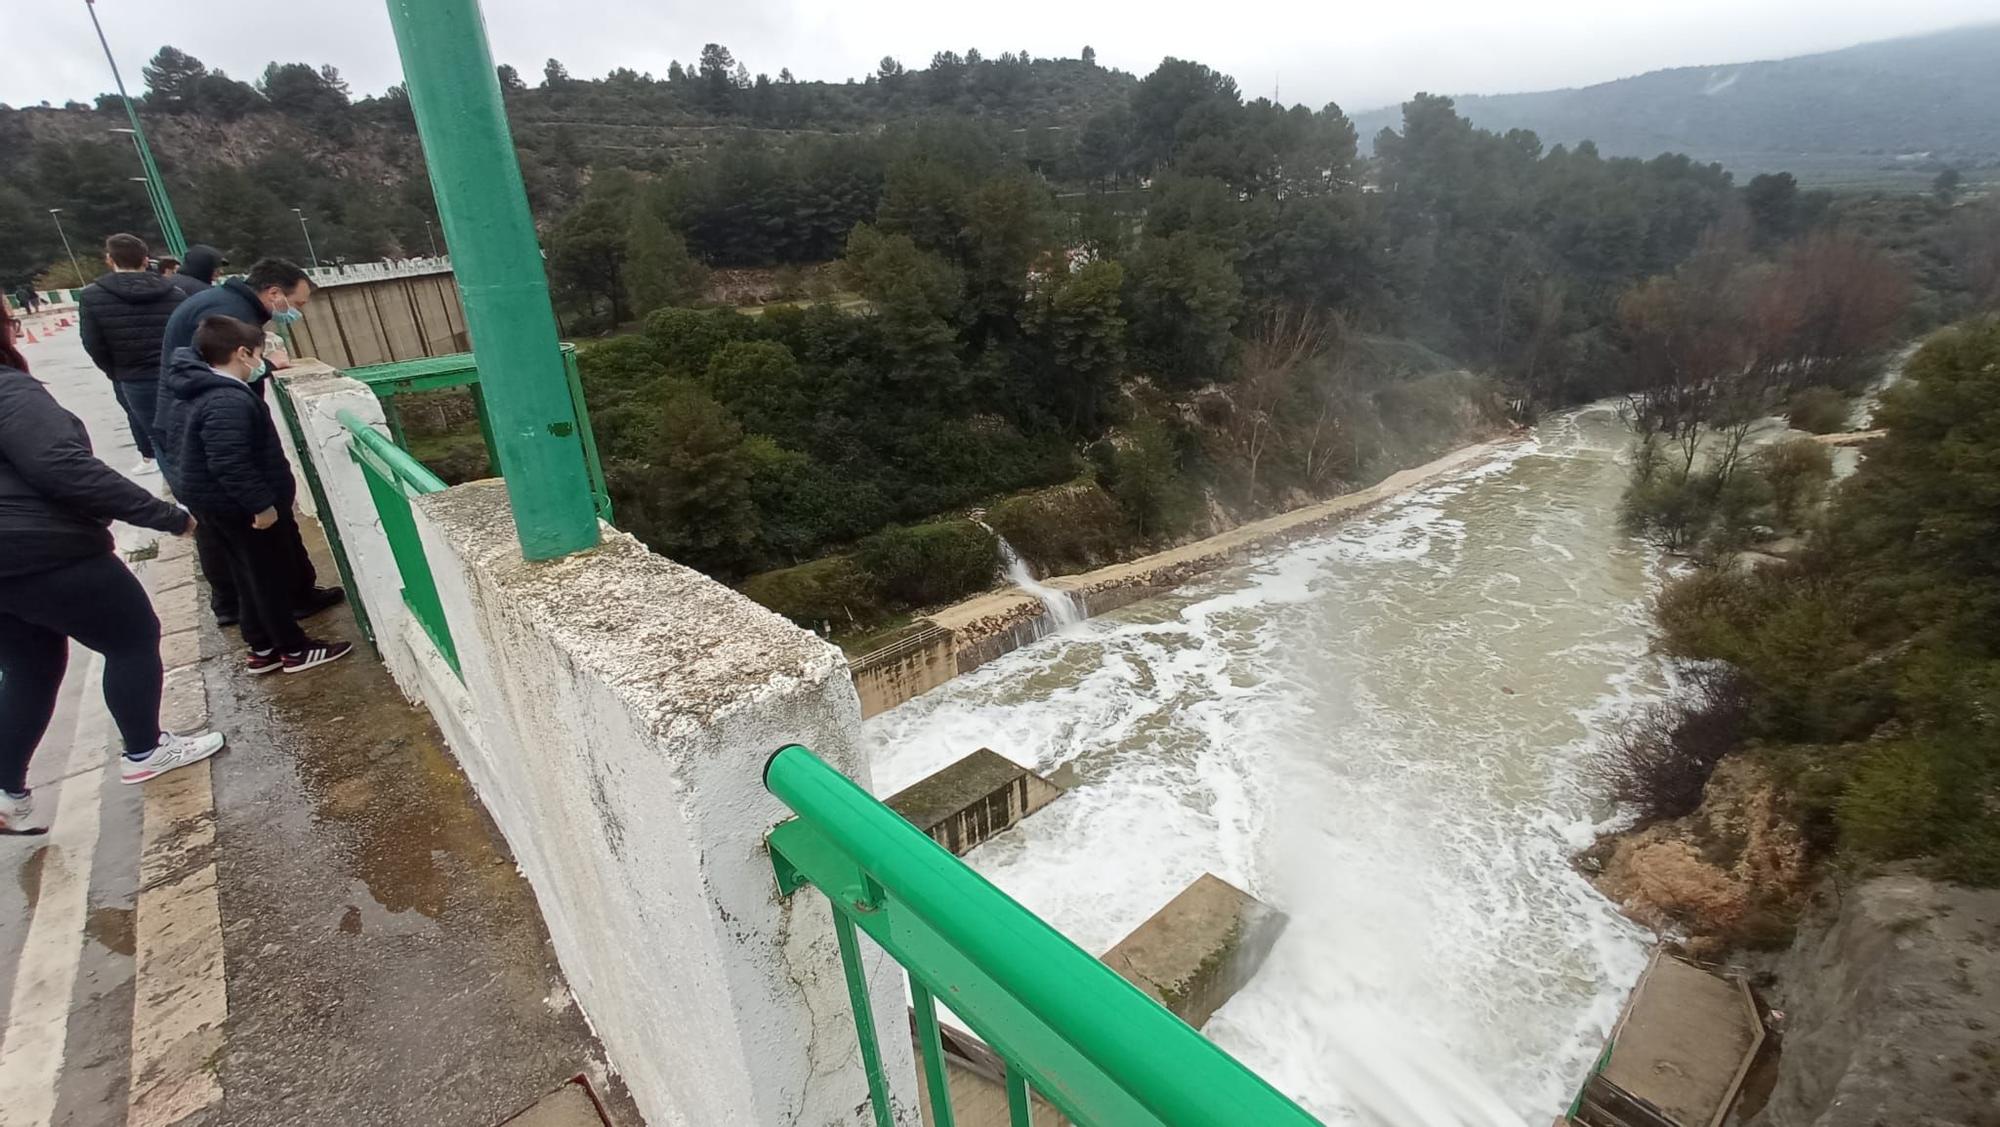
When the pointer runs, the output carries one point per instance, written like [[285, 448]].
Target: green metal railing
[[1066, 1026], [393, 478], [435, 373]]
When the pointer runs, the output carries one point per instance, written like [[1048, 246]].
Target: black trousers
[[262, 565], [100, 603], [223, 596]]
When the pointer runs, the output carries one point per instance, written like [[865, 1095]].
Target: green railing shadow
[[1067, 1026], [393, 478]]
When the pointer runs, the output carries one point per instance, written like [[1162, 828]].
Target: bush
[[1063, 529], [1146, 479], [822, 595], [1818, 410], [926, 564], [1659, 760], [1673, 512], [1889, 806], [1797, 472]]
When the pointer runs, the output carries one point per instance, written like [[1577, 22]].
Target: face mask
[[286, 316]]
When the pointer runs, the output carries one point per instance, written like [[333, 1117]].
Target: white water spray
[[1064, 609], [1379, 733]]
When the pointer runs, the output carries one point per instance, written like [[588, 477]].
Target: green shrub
[[1147, 481], [822, 595], [926, 564], [1673, 512], [1063, 529], [1797, 472], [1818, 410], [1888, 809]]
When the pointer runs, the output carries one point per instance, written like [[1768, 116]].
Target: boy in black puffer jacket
[[225, 464]]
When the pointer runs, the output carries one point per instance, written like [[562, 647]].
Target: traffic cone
[[30, 330]]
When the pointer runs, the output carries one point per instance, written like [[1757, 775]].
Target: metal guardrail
[[1066, 1026], [434, 373], [393, 478]]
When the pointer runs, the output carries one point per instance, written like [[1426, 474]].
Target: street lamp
[[310, 253], [432, 232], [170, 227], [55, 213], [152, 190]]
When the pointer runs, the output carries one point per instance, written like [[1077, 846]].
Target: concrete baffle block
[[974, 799], [627, 706], [1198, 951]]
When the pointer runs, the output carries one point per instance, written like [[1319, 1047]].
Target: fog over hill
[[1885, 114]]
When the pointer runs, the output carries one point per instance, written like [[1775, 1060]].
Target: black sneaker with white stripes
[[316, 653]]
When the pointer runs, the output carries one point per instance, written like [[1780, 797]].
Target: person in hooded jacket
[[123, 318], [274, 291], [197, 271], [61, 579], [228, 468]]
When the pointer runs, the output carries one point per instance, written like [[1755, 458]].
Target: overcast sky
[[1360, 55]]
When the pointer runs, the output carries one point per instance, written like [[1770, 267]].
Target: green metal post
[[864, 1019], [455, 95], [157, 186], [936, 1076]]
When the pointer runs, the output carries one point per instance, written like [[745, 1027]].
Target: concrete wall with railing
[[614, 710]]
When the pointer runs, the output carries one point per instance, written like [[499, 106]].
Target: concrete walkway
[[320, 925]]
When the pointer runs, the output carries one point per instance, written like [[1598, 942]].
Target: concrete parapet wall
[[614, 710], [628, 705], [319, 393]]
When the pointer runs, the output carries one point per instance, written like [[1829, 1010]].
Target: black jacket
[[233, 298], [57, 501], [197, 271], [124, 316], [225, 456]]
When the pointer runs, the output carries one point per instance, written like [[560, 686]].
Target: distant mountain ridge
[[1886, 113]]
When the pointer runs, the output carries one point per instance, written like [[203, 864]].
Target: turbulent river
[[1378, 731]]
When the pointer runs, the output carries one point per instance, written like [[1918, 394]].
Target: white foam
[[1378, 731]]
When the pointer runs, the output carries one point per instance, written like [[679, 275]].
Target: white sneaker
[[17, 814], [174, 751], [145, 466]]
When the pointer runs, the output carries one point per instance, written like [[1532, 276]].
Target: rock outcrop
[[1891, 1010], [1734, 873]]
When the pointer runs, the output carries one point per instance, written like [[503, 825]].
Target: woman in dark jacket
[[60, 579]]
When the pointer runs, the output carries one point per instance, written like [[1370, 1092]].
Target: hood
[[201, 262], [190, 377], [135, 287]]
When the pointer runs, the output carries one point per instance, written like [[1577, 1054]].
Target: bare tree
[[1285, 340]]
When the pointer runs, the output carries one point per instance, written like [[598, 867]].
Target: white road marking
[[31, 1050], [180, 1001]]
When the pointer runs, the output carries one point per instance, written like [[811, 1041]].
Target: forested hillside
[[1174, 307], [1886, 114]]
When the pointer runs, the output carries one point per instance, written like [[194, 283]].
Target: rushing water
[[1379, 732], [1064, 610]]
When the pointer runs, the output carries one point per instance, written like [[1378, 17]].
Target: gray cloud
[[1359, 55]]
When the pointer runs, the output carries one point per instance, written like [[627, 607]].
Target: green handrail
[[1088, 1041], [392, 461], [393, 478]]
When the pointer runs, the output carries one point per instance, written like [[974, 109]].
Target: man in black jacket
[[228, 468], [275, 290], [124, 315]]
